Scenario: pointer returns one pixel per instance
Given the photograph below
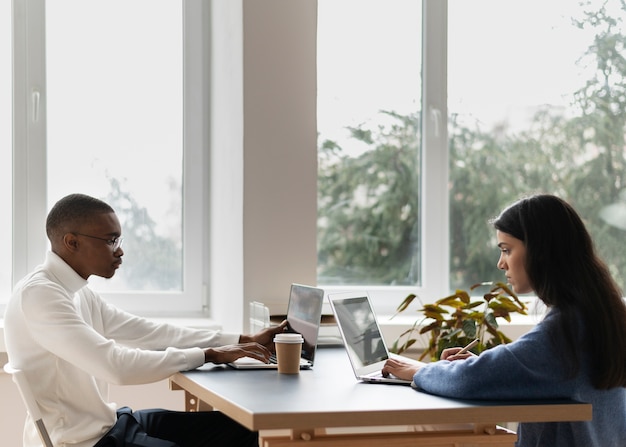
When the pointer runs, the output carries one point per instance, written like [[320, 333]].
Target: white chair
[[29, 400]]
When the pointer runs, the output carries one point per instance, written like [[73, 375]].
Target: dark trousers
[[165, 428]]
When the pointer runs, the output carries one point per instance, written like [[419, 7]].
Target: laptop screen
[[303, 316], [361, 332]]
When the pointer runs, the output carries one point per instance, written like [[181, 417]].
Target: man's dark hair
[[71, 212]]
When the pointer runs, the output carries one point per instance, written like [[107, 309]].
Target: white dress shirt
[[71, 344]]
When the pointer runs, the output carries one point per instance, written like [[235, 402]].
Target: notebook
[[304, 314], [362, 337]]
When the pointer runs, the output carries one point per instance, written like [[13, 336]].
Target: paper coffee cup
[[288, 350]]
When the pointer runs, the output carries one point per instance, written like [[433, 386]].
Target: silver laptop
[[362, 337], [304, 314]]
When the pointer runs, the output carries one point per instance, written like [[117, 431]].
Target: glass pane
[[536, 108], [5, 149], [369, 99], [115, 125]]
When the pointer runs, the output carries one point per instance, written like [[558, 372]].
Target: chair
[[29, 400]]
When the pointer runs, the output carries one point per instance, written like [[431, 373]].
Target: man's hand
[[258, 346], [230, 353], [265, 337]]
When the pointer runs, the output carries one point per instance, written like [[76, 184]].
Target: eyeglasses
[[115, 243]]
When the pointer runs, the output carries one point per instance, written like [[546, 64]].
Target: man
[[71, 344]]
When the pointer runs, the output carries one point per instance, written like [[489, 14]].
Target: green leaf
[[509, 292], [474, 304], [463, 296], [430, 327], [491, 320], [452, 301], [506, 303], [465, 320], [481, 284], [469, 328], [452, 335], [405, 303]]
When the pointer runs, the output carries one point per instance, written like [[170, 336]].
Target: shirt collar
[[65, 274]]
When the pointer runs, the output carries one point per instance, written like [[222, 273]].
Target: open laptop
[[362, 337], [304, 314]]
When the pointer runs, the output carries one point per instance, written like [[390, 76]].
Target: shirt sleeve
[[134, 331], [528, 368], [55, 324]]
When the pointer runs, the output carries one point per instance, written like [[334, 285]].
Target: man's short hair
[[69, 213]]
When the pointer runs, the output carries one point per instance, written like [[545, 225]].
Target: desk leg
[[488, 429], [192, 403]]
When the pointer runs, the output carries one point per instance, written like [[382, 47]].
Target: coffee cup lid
[[288, 338]]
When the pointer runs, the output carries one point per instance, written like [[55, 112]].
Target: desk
[[309, 405]]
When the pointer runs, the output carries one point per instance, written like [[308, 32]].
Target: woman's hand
[[452, 354], [401, 369]]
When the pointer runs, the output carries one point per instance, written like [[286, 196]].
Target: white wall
[[263, 107]]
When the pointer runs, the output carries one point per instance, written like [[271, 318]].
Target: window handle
[[435, 117], [35, 103]]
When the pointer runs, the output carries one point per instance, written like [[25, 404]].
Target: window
[[369, 104], [534, 109], [525, 109], [226, 260], [469, 143], [114, 107], [108, 112], [5, 148], [382, 189]]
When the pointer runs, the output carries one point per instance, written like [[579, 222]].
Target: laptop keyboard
[[273, 359]]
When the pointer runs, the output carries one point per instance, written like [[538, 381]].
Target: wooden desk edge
[[581, 412], [480, 415]]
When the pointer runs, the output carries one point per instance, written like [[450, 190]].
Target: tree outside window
[[368, 207]]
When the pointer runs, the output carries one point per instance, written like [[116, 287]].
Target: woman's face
[[512, 261]]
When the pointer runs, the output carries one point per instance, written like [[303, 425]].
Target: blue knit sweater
[[529, 368]]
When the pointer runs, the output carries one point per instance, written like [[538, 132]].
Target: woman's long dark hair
[[566, 273]]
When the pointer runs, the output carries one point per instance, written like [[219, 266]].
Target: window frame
[[434, 199], [201, 293], [29, 159]]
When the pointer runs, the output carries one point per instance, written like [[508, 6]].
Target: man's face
[[94, 244]]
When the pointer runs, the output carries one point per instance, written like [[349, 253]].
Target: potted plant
[[456, 320]]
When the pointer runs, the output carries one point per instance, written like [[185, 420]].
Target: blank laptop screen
[[303, 315], [360, 330]]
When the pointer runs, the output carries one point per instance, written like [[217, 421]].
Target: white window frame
[[29, 159], [435, 264], [251, 271]]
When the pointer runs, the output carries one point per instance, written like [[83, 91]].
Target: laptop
[[362, 337], [304, 315]]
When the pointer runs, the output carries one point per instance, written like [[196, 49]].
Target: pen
[[468, 347]]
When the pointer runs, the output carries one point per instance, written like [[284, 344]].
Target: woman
[[578, 351]]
